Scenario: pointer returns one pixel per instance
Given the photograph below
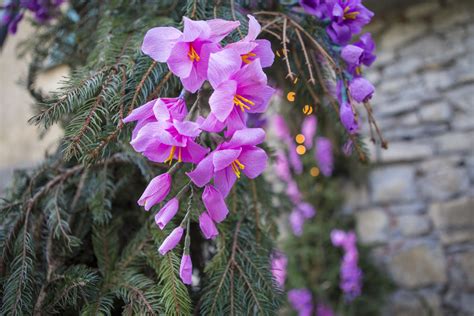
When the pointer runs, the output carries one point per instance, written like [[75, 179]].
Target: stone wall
[[417, 210], [20, 143]]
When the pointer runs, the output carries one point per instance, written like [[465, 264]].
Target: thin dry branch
[[306, 57], [285, 51]]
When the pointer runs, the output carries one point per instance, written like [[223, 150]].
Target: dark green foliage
[[73, 239]]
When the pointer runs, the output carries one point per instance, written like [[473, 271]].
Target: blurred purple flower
[[324, 155], [301, 301]]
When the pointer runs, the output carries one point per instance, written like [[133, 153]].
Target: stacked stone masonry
[[417, 210]]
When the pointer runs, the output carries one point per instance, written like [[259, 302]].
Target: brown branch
[[285, 51], [308, 64]]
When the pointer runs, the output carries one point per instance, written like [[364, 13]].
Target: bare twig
[[308, 64], [285, 51]]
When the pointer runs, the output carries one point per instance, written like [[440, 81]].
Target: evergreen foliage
[[73, 240]]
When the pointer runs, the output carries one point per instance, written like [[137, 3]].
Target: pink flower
[[163, 141], [237, 91], [347, 117], [226, 163], [171, 241], [187, 53], [301, 301], [214, 203], [155, 110], [207, 226], [167, 213], [186, 269], [282, 167], [156, 191], [262, 48], [279, 263]]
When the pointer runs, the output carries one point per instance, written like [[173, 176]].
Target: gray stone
[[355, 197], [409, 65], [372, 226], [454, 219], [406, 151], [462, 122], [452, 142], [462, 99], [413, 225], [410, 208], [442, 181], [448, 17], [393, 184], [466, 267], [423, 9], [434, 113], [404, 303], [441, 79], [399, 106], [419, 266], [402, 33], [467, 303], [432, 300]]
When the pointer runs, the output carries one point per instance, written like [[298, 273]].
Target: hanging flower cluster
[[351, 275], [13, 12], [345, 18], [165, 131]]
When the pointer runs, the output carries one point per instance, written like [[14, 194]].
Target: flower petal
[[224, 180], [212, 124], [194, 152], [236, 121], [166, 214], [264, 52], [159, 41], [195, 29], [222, 100], [156, 191], [259, 94], [179, 62], [254, 29], [187, 128], [203, 172], [186, 269], [194, 81], [245, 137], [221, 28], [255, 161], [223, 158], [251, 74], [141, 113], [214, 203], [222, 65], [207, 226]]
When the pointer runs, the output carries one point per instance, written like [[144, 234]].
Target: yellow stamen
[[241, 166], [358, 70], [350, 15], [236, 167], [245, 57], [192, 54], [242, 102], [179, 154], [171, 155]]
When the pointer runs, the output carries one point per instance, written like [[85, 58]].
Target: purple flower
[[348, 147], [347, 18], [282, 167], [295, 159], [166, 214], [171, 241], [187, 53], [306, 209], [308, 129], [186, 269], [293, 192], [296, 222], [324, 155], [260, 49], [226, 163], [163, 141], [156, 191], [324, 310], [359, 53], [279, 263], [347, 118], [351, 275], [237, 91], [207, 226], [317, 8], [214, 203], [301, 301], [361, 89], [280, 128], [158, 109]]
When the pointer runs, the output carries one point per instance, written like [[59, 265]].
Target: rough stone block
[[413, 225], [442, 181], [419, 266], [434, 113], [391, 184], [372, 226], [406, 151], [452, 142]]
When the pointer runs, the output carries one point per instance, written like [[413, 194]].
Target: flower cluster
[[13, 12], [351, 275], [346, 18], [165, 131], [283, 166], [301, 300], [278, 268]]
